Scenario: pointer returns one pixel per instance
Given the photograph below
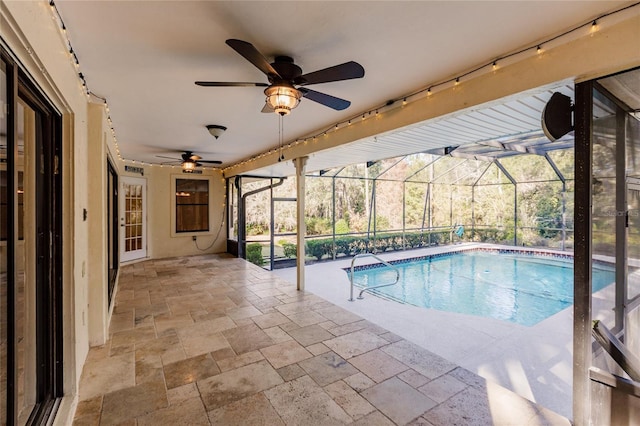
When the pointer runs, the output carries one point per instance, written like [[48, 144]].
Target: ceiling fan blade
[[324, 99], [251, 54], [266, 108], [170, 158], [346, 71], [230, 84], [210, 161]]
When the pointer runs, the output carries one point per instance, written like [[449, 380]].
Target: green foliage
[[290, 250], [256, 228], [352, 245], [342, 227], [549, 213], [486, 210], [318, 225], [382, 223], [254, 253], [318, 248]]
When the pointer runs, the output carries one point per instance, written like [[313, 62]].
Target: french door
[[133, 219]]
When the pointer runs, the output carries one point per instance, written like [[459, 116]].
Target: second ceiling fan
[[286, 81]]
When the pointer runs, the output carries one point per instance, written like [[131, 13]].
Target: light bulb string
[[428, 89]]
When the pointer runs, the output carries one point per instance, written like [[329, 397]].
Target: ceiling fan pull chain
[[280, 136]]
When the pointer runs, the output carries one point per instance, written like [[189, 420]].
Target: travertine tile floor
[[216, 340]]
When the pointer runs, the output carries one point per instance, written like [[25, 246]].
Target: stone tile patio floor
[[216, 340]]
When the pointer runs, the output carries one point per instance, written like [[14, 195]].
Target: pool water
[[520, 288]]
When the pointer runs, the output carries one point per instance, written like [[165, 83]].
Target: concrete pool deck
[[535, 362]]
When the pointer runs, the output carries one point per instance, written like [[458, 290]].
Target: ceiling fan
[[189, 161], [286, 80]]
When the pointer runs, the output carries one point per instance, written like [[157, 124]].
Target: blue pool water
[[516, 287]]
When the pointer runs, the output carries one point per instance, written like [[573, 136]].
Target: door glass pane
[[133, 214], [604, 198], [25, 267], [4, 231], [633, 206]]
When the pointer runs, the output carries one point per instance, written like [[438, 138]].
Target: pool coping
[[473, 248]]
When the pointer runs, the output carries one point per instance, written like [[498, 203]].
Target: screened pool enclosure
[[516, 192]]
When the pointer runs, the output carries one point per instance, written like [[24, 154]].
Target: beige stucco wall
[[162, 240], [32, 35], [97, 314]]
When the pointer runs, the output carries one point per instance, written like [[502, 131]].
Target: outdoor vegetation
[[420, 200]]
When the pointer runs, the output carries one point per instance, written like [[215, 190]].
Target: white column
[[300, 164]]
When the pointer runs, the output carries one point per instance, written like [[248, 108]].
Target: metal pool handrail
[[377, 286]]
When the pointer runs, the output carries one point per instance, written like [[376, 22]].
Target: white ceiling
[[144, 56]]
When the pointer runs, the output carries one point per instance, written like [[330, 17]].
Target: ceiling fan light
[[188, 166], [282, 99]]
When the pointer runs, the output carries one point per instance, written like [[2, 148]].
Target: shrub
[[343, 245], [317, 248], [290, 250], [254, 253]]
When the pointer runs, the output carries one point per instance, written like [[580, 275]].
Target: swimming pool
[[509, 285]]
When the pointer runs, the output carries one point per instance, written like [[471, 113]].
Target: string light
[[429, 90]]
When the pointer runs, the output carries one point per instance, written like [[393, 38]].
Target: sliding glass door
[[30, 250]]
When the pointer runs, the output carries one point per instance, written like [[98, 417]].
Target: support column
[[300, 164], [582, 253]]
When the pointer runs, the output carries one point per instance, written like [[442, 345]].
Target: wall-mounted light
[[216, 130]]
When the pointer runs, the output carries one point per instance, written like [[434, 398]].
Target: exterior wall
[[98, 315], [162, 240], [31, 34]]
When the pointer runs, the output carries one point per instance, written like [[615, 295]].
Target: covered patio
[[213, 339]]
